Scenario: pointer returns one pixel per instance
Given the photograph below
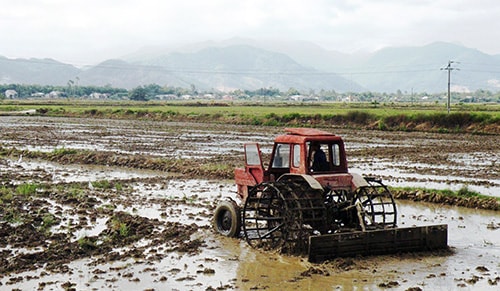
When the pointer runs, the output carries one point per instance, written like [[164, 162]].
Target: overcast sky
[[85, 32]]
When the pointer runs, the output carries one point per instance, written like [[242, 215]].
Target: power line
[[391, 69]]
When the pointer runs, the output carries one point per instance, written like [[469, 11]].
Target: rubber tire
[[227, 219]]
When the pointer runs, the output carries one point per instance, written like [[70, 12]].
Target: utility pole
[[449, 69]]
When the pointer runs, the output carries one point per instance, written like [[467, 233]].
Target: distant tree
[[366, 96], [292, 91], [70, 86], [193, 89], [138, 94], [152, 90]]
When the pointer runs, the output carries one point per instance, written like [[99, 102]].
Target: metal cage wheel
[[263, 217], [378, 208]]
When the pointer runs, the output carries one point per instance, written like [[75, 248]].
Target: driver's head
[[314, 145]]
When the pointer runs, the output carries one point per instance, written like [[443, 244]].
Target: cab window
[[281, 156], [319, 157], [323, 157], [296, 155], [252, 155], [336, 155]]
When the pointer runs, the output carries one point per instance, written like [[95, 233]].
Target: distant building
[[301, 98], [11, 94], [38, 95], [296, 97], [55, 95], [97, 95], [166, 97]]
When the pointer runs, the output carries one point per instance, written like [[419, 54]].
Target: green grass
[[11, 215], [463, 192], [27, 189], [6, 195], [238, 108], [118, 186], [102, 184], [74, 190], [48, 220], [86, 243], [120, 228], [123, 230], [64, 151]]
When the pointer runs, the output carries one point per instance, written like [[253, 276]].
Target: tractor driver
[[319, 162]]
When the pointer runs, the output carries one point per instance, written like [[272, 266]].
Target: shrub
[[359, 117], [382, 125], [396, 120], [91, 111], [464, 191], [291, 116]]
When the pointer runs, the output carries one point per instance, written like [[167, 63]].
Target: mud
[[128, 205]]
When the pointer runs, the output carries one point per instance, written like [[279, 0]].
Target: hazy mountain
[[246, 67], [387, 70], [400, 68], [119, 73], [250, 64], [36, 71], [421, 68], [303, 52]]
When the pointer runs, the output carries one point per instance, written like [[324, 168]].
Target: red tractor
[[307, 201]]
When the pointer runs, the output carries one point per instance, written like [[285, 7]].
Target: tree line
[[28, 91], [153, 91]]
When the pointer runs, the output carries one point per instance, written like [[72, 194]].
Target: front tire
[[227, 219]]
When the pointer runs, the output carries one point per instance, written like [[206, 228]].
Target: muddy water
[[224, 263]]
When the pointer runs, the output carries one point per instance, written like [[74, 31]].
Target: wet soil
[[128, 205]]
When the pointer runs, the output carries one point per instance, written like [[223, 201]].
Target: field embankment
[[479, 119]]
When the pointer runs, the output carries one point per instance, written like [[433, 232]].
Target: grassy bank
[[463, 197], [477, 118], [223, 169]]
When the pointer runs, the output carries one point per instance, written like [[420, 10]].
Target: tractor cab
[[301, 151]]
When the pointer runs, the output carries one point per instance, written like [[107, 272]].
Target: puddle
[[57, 173], [92, 230], [401, 175]]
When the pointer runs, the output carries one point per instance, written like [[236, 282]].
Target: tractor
[[306, 201]]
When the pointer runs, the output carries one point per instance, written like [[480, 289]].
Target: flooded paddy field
[[93, 227]]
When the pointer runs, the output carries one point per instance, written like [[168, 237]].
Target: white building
[[11, 94]]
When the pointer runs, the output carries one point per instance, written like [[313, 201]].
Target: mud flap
[[377, 242]]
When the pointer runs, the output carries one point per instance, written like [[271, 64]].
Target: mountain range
[[250, 65]]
